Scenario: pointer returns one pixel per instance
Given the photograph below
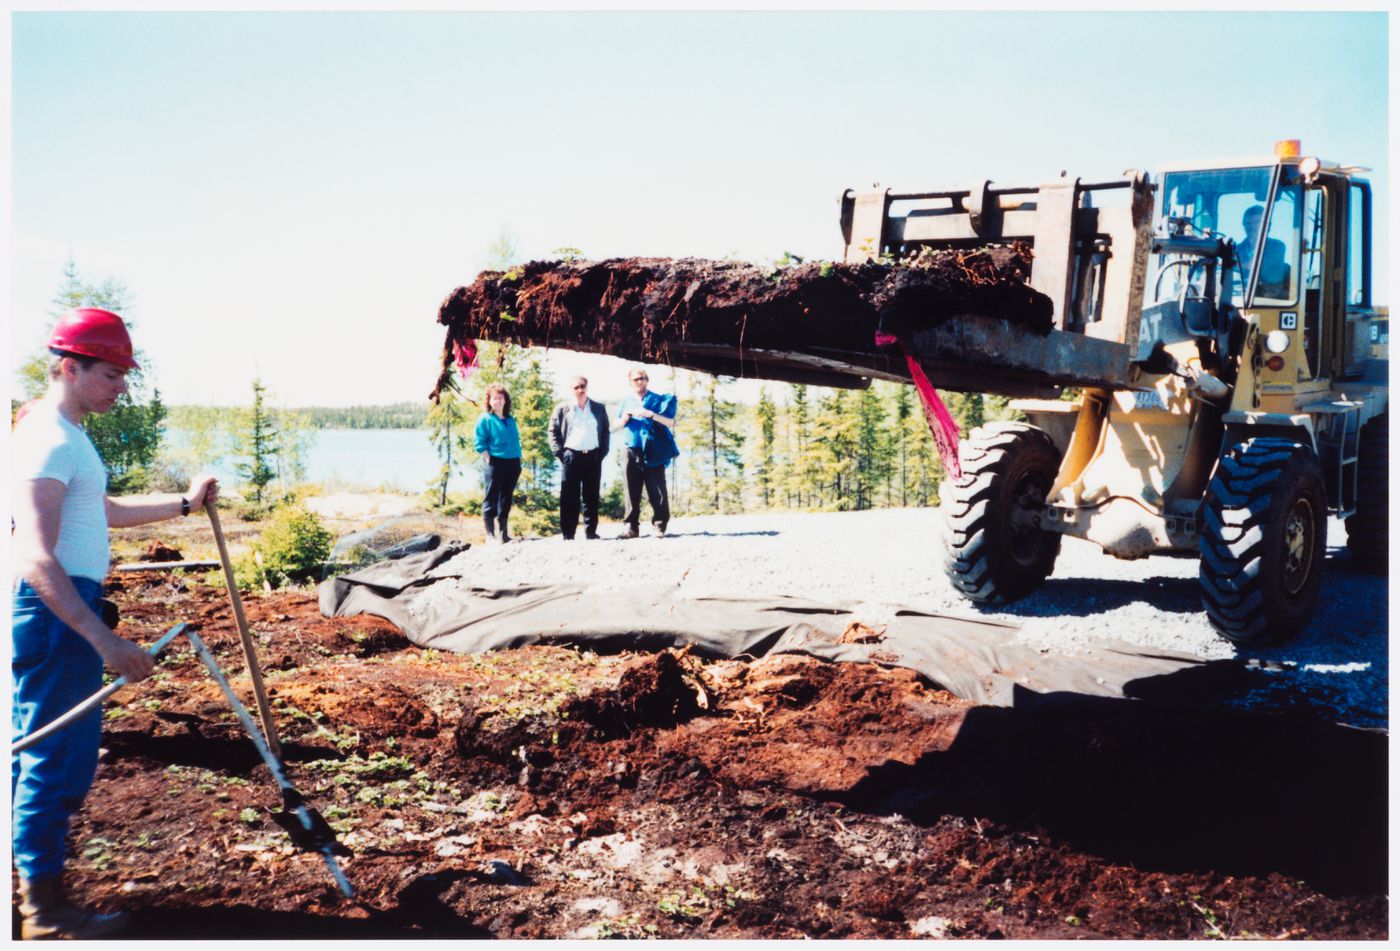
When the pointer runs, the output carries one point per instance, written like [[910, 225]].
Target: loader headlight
[[1276, 341]]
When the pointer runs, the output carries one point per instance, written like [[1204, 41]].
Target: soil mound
[[156, 551], [790, 721], [659, 309]]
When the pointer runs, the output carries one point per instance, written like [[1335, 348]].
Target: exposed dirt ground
[[544, 792]]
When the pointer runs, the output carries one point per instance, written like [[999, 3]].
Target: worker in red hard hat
[[60, 641], [93, 332]]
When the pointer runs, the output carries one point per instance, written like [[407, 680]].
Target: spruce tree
[[786, 457], [836, 439], [925, 466], [714, 443], [766, 414], [872, 447], [687, 471], [256, 443], [532, 402], [446, 431], [805, 467], [903, 412]]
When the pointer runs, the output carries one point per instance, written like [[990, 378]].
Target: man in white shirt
[[578, 435], [59, 641]]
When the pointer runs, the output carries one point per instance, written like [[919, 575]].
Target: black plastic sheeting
[[980, 661]]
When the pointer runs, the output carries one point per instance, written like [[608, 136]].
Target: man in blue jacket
[[648, 419]]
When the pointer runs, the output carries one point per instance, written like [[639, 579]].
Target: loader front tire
[[997, 551], [1263, 541], [1368, 529]]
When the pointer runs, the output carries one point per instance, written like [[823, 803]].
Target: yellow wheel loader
[[1227, 369]]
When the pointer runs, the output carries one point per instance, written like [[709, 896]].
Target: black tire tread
[[987, 457], [1236, 539]]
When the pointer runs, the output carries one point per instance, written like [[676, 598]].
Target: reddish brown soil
[[660, 310], [157, 551], [545, 792]]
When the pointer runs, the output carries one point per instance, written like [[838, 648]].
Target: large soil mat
[[677, 311], [551, 792]]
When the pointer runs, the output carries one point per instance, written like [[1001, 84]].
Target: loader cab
[[1249, 220], [1286, 242]]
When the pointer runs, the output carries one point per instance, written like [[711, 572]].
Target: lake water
[[399, 458], [402, 459]]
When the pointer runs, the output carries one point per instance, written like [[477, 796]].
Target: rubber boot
[[505, 532], [48, 915]]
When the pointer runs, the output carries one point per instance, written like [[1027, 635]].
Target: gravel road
[[878, 560]]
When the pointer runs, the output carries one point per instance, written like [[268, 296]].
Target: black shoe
[[630, 533], [568, 538], [592, 536]]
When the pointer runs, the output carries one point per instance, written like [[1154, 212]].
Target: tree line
[[807, 447], [387, 416]]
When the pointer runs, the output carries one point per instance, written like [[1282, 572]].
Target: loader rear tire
[[1263, 541], [997, 551], [1368, 530]]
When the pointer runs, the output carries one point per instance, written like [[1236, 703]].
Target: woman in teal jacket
[[498, 441]]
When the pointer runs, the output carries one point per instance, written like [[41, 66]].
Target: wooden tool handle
[[250, 653]]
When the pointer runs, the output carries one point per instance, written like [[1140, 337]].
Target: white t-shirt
[[45, 445]]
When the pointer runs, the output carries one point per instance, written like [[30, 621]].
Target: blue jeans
[[53, 669]]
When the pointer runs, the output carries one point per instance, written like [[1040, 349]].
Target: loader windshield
[[1248, 206]]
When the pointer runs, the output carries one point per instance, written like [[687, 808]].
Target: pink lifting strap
[[465, 356], [940, 421]]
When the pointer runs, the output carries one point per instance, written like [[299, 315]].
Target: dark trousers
[[578, 487], [654, 478], [498, 478]]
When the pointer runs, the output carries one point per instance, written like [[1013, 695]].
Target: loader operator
[[59, 639], [1273, 268]]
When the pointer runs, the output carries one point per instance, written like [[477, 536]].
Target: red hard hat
[[93, 332]]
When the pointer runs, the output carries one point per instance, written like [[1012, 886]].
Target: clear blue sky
[[292, 195]]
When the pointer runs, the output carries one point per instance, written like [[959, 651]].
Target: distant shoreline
[[383, 416]]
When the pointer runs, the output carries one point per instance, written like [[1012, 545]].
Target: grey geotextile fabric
[[980, 661]]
